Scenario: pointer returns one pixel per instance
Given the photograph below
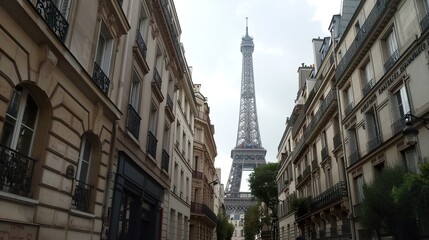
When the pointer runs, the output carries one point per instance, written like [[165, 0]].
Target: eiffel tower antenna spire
[[248, 152]]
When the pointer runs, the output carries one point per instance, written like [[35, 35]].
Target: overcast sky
[[282, 32]]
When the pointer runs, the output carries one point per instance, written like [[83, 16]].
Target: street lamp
[[411, 132]]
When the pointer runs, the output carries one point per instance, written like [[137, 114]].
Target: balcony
[[348, 109], [424, 24], [156, 85], [302, 177], [165, 160], [203, 209], [53, 18], [298, 122], [81, 196], [16, 171], [140, 51], [151, 144], [354, 157], [373, 143], [314, 164], [391, 61], [331, 195], [169, 108], [337, 140], [100, 79], [320, 114], [133, 121], [364, 37], [197, 175], [299, 146], [368, 86], [324, 153], [398, 126]]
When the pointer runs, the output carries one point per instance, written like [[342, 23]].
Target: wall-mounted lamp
[[215, 182], [69, 172], [411, 132]]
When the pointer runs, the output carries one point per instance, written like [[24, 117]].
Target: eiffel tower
[[248, 152]]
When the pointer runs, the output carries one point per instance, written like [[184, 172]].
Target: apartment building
[[58, 117], [362, 108], [181, 174], [382, 76], [204, 179], [87, 118]]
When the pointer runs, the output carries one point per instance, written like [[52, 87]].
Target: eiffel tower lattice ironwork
[[248, 152]]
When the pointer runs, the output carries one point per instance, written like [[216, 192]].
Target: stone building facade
[[91, 96], [369, 78]]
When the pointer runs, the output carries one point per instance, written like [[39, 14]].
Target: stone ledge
[[17, 198], [81, 214]]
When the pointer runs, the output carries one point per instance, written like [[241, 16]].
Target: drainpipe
[[124, 61]]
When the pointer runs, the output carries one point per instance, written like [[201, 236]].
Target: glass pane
[[8, 127], [87, 151], [24, 140], [83, 174], [100, 50], [30, 113], [14, 104]]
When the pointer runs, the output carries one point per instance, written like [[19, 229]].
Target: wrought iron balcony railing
[[141, 44], [368, 86], [354, 157], [337, 140], [332, 95], [332, 194], [198, 208], [151, 144], [373, 143], [361, 37], [53, 17], [298, 122], [424, 24], [197, 175], [349, 109], [81, 196], [165, 161], [16, 171], [157, 79], [133, 121], [324, 153], [391, 61], [398, 126], [100, 79], [169, 103]]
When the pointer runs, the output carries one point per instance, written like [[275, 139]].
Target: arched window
[[82, 191], [16, 167]]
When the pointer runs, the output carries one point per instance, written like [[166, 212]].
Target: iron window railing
[[197, 175], [165, 161], [353, 157], [141, 44], [349, 109], [324, 153], [391, 61], [368, 86], [203, 209], [157, 79], [329, 196], [151, 144], [424, 24], [373, 143], [16, 171], [100, 79], [53, 17], [81, 196], [133, 121], [398, 125], [337, 140]]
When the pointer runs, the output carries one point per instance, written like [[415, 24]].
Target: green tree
[[252, 222], [379, 207], [263, 185], [224, 229]]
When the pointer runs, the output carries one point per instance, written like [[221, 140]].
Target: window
[[153, 118], [367, 78], [410, 159], [402, 103], [391, 49], [20, 122], [135, 91], [104, 50], [352, 146], [328, 176], [372, 130], [358, 184], [63, 6], [166, 137], [348, 99], [378, 169], [83, 189], [143, 24]]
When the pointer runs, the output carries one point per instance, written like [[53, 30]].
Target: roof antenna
[[247, 32]]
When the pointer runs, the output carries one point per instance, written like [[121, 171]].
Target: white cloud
[[324, 11]]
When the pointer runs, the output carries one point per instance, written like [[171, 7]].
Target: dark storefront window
[[124, 216]]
